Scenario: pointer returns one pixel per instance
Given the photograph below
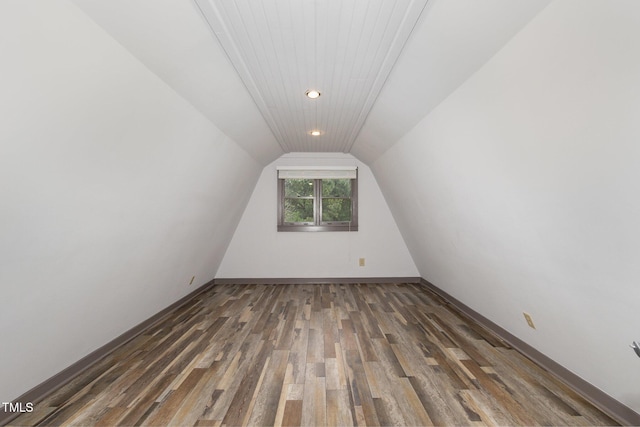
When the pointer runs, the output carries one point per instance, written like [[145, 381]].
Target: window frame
[[318, 225]]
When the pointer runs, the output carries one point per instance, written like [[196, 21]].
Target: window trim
[[317, 209]]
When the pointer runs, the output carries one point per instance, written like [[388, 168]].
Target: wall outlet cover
[[529, 320]]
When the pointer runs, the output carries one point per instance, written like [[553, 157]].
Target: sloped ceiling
[[381, 65]]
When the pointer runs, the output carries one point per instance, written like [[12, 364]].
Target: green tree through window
[[317, 204], [336, 200], [299, 197]]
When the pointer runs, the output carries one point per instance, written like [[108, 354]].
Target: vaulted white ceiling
[[381, 65]]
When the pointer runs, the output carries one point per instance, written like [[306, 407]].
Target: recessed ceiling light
[[314, 133], [313, 94]]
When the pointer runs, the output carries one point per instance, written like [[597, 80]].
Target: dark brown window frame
[[318, 225]]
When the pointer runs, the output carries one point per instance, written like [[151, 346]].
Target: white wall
[[114, 192], [525, 190], [258, 250]]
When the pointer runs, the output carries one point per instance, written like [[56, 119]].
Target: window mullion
[[318, 202]]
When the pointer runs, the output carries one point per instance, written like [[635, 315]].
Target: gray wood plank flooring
[[334, 354]]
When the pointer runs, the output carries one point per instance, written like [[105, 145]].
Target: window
[[317, 200]]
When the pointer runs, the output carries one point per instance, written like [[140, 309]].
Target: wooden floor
[[353, 354]]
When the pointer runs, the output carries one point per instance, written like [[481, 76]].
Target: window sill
[[315, 228]]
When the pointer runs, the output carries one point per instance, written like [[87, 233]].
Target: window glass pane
[[334, 210], [298, 188], [298, 210], [336, 188]]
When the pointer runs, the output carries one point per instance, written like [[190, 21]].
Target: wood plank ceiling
[[343, 49]]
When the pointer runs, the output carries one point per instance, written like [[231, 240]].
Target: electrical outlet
[[636, 347], [192, 279], [529, 320], [361, 262]]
